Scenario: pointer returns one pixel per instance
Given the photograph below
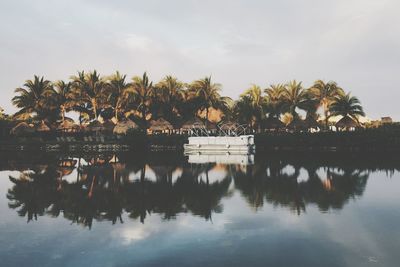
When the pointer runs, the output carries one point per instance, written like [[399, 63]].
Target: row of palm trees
[[94, 96]]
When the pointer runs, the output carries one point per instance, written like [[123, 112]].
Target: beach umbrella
[[21, 129], [160, 125], [68, 126], [122, 127], [346, 123], [42, 127]]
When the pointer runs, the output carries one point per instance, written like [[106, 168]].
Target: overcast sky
[[353, 42]]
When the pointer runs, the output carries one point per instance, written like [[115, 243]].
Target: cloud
[[237, 42]]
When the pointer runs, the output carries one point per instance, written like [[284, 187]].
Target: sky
[[238, 42]]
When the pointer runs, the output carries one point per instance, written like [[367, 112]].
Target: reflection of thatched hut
[[272, 123], [346, 123], [311, 123], [161, 126], [297, 124], [42, 127], [68, 126], [122, 127], [22, 129]]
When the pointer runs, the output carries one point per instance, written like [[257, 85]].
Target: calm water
[[161, 210]]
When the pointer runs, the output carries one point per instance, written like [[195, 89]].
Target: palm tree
[[63, 96], [347, 106], [257, 101], [294, 97], [91, 90], [170, 92], [143, 92], [326, 93], [274, 98], [31, 98], [208, 94], [119, 93], [243, 110]]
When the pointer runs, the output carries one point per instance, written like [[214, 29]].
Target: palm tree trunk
[[94, 106], [62, 113]]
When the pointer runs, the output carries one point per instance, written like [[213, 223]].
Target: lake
[[165, 209]]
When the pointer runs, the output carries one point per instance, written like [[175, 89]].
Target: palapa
[[122, 127], [346, 123], [160, 125], [21, 129]]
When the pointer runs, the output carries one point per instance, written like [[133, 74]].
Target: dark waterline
[[133, 209]]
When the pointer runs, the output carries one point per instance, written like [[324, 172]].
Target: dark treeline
[[93, 96]]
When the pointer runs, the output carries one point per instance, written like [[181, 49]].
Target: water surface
[[162, 210]]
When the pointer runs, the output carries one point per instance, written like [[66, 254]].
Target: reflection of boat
[[243, 159], [243, 144]]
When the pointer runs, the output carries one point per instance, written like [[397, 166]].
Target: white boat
[[243, 144]]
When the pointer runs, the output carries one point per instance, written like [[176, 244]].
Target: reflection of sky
[[364, 233]]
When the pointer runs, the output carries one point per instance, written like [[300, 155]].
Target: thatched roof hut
[[346, 123], [297, 124], [122, 127], [272, 123], [42, 127], [68, 126], [194, 123], [21, 129], [311, 123], [160, 125]]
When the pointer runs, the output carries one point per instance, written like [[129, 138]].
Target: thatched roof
[[346, 122], [42, 127], [67, 125], [122, 127], [21, 129], [194, 123], [297, 124], [272, 123], [160, 125], [311, 123]]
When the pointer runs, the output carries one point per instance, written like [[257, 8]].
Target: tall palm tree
[[31, 98], [254, 94], [326, 93], [63, 96], [294, 97], [143, 92], [274, 98], [91, 90], [243, 110], [119, 93], [347, 106], [170, 92], [208, 94]]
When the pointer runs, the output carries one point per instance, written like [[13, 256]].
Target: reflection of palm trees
[[280, 188], [33, 192], [104, 190]]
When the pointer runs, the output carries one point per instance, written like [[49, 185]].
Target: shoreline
[[384, 141]]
